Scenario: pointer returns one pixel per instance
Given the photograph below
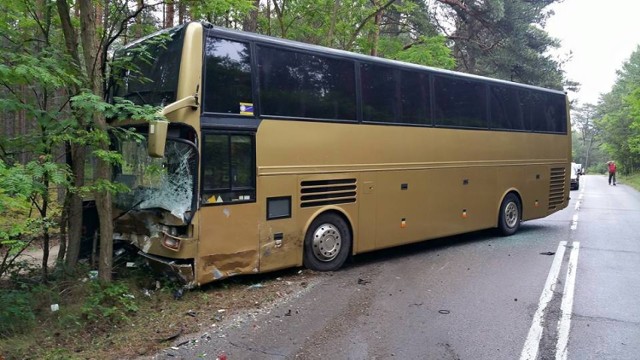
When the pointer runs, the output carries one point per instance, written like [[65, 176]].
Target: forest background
[[54, 135]]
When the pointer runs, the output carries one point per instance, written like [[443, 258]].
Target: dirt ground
[[166, 318]]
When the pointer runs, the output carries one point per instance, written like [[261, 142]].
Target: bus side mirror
[[157, 138], [158, 129]]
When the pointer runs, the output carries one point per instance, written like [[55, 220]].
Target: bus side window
[[228, 168], [460, 102], [227, 77]]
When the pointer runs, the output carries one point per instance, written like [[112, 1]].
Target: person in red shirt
[[612, 172]]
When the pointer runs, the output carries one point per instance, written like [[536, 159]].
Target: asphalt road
[[566, 286]]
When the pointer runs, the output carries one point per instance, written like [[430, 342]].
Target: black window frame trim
[[204, 162]]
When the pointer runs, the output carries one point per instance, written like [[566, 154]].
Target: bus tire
[[510, 215], [327, 243]]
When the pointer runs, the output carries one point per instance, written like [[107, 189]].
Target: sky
[[601, 35]]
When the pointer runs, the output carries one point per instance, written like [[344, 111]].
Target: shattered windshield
[[165, 183]]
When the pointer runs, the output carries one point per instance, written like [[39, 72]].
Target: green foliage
[[16, 313], [221, 12], [619, 124], [429, 51], [109, 303], [504, 39], [632, 180], [22, 188]]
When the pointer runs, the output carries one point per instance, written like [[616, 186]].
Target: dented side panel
[[228, 242]]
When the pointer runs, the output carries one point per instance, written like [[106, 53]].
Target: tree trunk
[[250, 22], [182, 12], [78, 156], [332, 26], [140, 4], [103, 169], [64, 226], [76, 153], [377, 20], [170, 14]]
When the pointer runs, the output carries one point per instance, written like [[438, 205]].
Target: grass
[[132, 317], [632, 180]]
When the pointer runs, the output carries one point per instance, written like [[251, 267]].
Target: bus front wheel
[[510, 215], [327, 243]]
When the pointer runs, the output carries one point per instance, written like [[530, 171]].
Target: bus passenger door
[[228, 243]]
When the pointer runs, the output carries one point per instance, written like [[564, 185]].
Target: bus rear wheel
[[327, 243], [510, 215]]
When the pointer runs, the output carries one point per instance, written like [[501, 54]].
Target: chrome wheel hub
[[327, 241], [511, 214]]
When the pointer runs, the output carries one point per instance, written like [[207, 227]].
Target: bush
[[16, 313], [109, 303]]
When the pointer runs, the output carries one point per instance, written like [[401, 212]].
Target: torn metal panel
[[183, 272]]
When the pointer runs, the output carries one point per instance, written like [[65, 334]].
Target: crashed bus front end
[[157, 212], [155, 215]]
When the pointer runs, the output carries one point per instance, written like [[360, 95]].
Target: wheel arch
[[332, 210]]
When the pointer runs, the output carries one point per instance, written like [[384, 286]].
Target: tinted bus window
[[227, 77], [534, 104], [506, 112], [380, 93], [556, 114], [415, 97], [151, 76], [460, 102], [394, 96], [303, 85], [227, 169]]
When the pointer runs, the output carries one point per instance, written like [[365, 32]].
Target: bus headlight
[[171, 242]]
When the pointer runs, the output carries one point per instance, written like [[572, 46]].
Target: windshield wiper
[[126, 212]]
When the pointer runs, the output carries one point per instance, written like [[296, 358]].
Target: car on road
[[576, 171]]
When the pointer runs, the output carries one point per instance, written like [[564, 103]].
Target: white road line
[[531, 345], [574, 224], [579, 201], [567, 304]]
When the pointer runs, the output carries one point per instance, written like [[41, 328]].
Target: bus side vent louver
[[556, 187], [327, 192]]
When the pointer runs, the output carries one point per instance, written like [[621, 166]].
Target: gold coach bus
[[279, 154]]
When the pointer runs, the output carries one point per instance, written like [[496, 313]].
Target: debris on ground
[[548, 253], [177, 295], [171, 337]]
